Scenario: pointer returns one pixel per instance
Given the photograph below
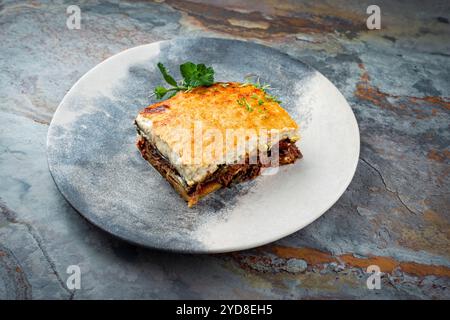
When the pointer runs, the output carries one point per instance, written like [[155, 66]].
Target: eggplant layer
[[224, 176]]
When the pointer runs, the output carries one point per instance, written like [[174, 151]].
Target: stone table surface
[[395, 213]]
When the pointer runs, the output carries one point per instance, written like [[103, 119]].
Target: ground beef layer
[[224, 176]]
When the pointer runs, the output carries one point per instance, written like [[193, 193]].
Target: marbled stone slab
[[394, 214]]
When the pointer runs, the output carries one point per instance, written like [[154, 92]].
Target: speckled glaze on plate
[[94, 161]]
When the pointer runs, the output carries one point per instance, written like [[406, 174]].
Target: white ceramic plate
[[95, 164]]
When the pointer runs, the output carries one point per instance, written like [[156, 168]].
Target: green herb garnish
[[272, 98], [244, 102], [194, 75]]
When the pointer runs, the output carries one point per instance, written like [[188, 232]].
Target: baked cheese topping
[[200, 129]]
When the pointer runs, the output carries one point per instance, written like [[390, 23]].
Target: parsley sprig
[[194, 75]]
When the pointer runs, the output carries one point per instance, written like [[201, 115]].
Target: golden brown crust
[[217, 108], [246, 112]]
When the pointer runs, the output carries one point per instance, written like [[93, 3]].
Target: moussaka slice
[[211, 137]]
